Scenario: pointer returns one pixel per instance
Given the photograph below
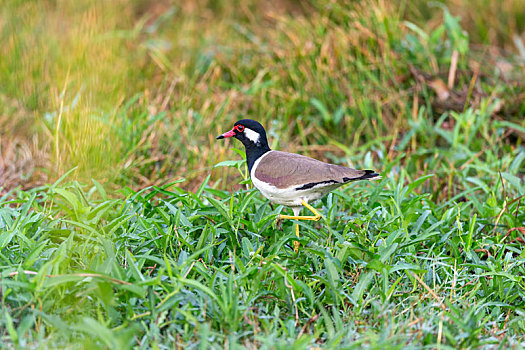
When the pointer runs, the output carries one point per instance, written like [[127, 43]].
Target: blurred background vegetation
[[127, 94], [134, 92]]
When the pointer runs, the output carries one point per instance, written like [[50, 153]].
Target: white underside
[[288, 196]]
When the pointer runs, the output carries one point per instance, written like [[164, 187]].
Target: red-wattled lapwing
[[290, 179]]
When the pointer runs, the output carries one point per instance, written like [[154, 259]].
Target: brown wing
[[285, 170]]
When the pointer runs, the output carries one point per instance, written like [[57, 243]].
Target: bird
[[290, 179]]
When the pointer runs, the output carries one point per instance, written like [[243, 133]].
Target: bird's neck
[[253, 152]]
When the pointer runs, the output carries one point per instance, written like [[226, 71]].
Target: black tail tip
[[370, 175]]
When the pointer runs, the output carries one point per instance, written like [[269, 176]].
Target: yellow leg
[[317, 216], [298, 217], [296, 243]]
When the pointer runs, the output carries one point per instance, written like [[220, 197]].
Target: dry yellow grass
[[135, 91]]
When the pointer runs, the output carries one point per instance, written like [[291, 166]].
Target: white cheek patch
[[252, 135]]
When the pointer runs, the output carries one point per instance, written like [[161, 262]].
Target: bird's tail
[[369, 175]]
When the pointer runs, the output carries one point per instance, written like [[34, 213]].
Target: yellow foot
[[296, 244], [316, 217]]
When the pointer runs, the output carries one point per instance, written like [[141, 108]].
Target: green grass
[[133, 92], [125, 234], [387, 267]]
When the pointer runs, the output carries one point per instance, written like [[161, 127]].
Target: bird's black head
[[249, 132], [253, 137]]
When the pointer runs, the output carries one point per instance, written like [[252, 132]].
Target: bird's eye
[[239, 128]]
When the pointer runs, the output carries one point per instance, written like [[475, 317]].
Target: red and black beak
[[230, 133]]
